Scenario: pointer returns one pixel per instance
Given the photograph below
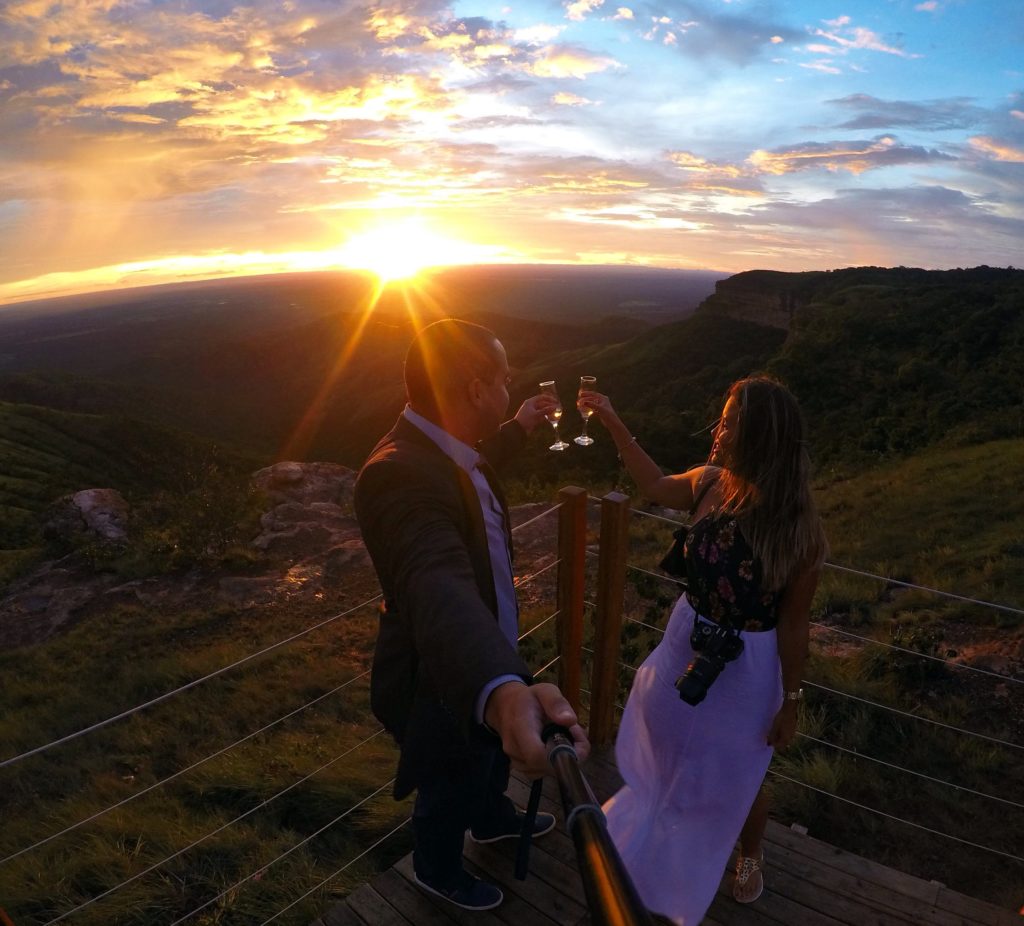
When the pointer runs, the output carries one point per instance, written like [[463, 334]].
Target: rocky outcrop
[[312, 513], [306, 483], [100, 513], [765, 297]]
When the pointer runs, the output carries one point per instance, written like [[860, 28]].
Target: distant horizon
[[353, 271], [129, 289], [150, 143]]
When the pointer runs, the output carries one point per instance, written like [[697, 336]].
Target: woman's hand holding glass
[[586, 385]]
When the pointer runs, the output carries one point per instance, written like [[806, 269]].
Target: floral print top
[[724, 577]]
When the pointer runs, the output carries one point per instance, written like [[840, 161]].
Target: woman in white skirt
[[700, 724]]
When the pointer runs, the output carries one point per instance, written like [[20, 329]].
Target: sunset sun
[[401, 250]]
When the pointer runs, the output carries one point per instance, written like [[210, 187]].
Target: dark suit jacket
[[439, 641]]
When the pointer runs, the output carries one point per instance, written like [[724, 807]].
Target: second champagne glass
[[554, 414], [587, 383]]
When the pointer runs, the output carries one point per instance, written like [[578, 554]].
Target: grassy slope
[[943, 518], [46, 453], [141, 652]]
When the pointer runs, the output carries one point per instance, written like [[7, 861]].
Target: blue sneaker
[[468, 892], [543, 823]]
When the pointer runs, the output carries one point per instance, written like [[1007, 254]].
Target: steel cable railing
[[536, 518], [283, 855], [523, 580], [853, 697], [181, 689], [870, 575], [219, 829], [889, 816], [178, 774], [908, 771], [170, 694], [914, 652], [537, 626], [946, 662], [340, 871], [908, 714]]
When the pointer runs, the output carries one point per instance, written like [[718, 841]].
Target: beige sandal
[[749, 881]]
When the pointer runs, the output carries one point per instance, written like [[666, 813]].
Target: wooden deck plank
[[513, 912], [880, 880], [808, 883], [553, 901], [429, 902], [976, 911], [842, 888], [777, 907], [373, 908]]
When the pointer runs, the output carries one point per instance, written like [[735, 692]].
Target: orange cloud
[[856, 157], [692, 162], [999, 151]]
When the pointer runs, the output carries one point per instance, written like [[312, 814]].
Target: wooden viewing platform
[[807, 883]]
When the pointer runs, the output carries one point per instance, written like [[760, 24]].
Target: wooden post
[[611, 586], [572, 550]]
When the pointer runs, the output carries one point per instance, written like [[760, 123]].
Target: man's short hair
[[444, 357]]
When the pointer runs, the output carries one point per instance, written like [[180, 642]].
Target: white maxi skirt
[[691, 773]]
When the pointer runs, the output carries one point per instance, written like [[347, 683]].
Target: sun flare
[[401, 250]]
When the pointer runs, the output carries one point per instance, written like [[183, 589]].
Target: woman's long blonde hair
[[766, 482]]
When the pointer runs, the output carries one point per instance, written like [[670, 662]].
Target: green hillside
[[912, 386], [46, 453], [887, 368], [884, 362]]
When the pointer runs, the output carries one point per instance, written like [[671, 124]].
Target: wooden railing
[[611, 582]]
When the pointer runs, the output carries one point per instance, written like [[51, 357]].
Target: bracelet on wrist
[[796, 695]]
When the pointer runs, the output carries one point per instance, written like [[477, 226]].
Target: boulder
[[102, 513], [312, 508], [306, 483]]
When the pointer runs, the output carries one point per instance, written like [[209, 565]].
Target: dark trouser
[[469, 794]]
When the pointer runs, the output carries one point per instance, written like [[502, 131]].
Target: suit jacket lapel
[[479, 550]]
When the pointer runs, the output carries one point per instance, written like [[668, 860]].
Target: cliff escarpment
[[775, 298]]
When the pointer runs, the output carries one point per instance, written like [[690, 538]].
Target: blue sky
[[151, 141]]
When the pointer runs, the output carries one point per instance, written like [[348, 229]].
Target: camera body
[[716, 646]]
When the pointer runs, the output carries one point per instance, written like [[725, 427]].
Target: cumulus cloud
[[577, 10], [569, 61]]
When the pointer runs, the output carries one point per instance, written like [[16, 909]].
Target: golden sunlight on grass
[[399, 250]]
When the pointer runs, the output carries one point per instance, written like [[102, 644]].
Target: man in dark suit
[[447, 682]]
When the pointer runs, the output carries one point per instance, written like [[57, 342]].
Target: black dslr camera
[[717, 645]]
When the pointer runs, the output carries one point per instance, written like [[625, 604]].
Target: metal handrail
[[611, 895]]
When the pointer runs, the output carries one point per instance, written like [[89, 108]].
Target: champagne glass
[[554, 414], [586, 383]]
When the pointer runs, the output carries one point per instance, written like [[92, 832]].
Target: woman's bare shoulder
[[703, 474]]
